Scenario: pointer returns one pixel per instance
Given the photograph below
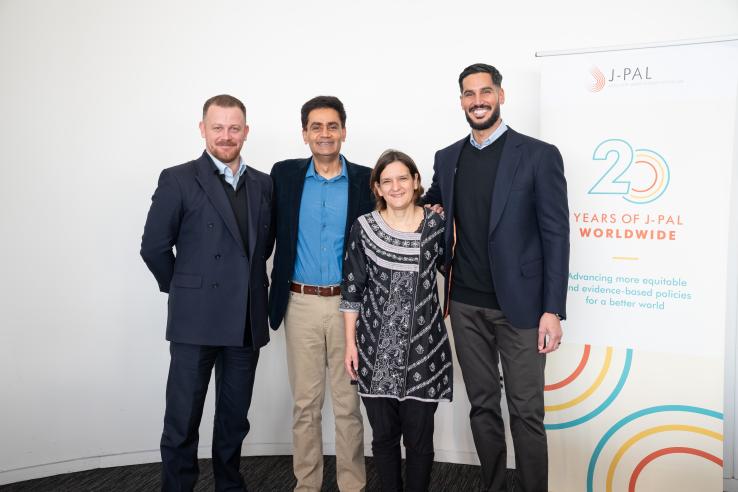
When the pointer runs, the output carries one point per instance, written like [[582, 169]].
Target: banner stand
[[636, 399]]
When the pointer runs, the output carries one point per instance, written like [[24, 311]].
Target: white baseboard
[[78, 464], [152, 456], [125, 459]]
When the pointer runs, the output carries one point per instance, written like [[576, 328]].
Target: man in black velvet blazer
[[316, 200], [507, 229], [216, 212]]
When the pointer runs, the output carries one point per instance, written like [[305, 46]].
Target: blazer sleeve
[[552, 211], [441, 259], [434, 196], [355, 273], [161, 230], [269, 183]]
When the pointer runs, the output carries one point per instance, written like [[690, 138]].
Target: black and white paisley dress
[[389, 278]]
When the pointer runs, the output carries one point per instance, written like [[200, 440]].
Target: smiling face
[[324, 133], [481, 100], [224, 131], [397, 186]]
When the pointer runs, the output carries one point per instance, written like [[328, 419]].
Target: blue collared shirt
[[321, 229], [490, 140], [226, 171]]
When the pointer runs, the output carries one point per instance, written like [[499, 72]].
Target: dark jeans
[[189, 374], [412, 420], [484, 337]]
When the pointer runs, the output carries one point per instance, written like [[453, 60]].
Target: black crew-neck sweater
[[475, 179]]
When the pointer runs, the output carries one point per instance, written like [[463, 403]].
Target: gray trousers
[[482, 338]]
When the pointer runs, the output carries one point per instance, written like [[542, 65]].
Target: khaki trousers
[[315, 339]]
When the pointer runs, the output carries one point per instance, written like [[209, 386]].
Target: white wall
[[97, 97]]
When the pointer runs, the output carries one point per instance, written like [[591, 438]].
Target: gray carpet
[[262, 474]]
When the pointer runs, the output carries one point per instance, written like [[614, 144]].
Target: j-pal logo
[[615, 75], [638, 176]]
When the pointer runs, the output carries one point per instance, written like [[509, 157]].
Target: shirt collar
[[223, 169], [312, 173], [491, 139]]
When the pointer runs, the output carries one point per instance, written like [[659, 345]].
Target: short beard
[[486, 124], [227, 154]]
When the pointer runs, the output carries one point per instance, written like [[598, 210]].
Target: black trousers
[[189, 375], [483, 337], [412, 420]]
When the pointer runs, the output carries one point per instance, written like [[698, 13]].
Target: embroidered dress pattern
[[389, 278]]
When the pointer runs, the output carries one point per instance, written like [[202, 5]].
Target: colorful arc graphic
[[641, 413], [571, 377], [663, 452], [602, 406], [649, 432], [589, 391]]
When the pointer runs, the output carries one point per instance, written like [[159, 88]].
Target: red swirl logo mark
[[599, 80]]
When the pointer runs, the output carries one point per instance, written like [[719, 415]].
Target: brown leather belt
[[315, 290]]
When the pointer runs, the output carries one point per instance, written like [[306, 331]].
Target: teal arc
[[640, 413], [602, 406]]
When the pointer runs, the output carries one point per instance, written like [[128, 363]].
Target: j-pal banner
[[634, 398]]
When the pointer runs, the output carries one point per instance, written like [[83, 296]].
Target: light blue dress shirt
[[490, 140], [320, 233], [226, 171]]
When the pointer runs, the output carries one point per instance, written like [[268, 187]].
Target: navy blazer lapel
[[509, 161], [207, 176], [253, 195], [294, 194], [354, 193], [449, 169]]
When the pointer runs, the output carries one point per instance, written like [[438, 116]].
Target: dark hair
[[480, 68], [322, 102], [388, 157], [223, 101]]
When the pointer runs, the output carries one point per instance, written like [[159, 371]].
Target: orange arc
[[571, 377], [662, 452], [661, 173], [655, 177]]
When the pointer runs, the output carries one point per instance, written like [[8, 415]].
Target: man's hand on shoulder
[[437, 208]]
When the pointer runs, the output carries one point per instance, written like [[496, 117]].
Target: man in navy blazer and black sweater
[[316, 200], [216, 212], [507, 231]]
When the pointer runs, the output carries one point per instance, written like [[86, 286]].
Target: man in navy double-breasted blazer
[[507, 234], [215, 212]]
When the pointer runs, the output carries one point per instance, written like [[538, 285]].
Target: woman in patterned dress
[[397, 348]]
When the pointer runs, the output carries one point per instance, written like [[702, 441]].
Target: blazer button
[[211, 225], [217, 257], [214, 286]]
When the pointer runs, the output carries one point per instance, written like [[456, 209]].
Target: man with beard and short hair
[[216, 212], [505, 200], [316, 200]]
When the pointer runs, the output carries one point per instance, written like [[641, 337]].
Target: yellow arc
[[653, 430], [590, 390]]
